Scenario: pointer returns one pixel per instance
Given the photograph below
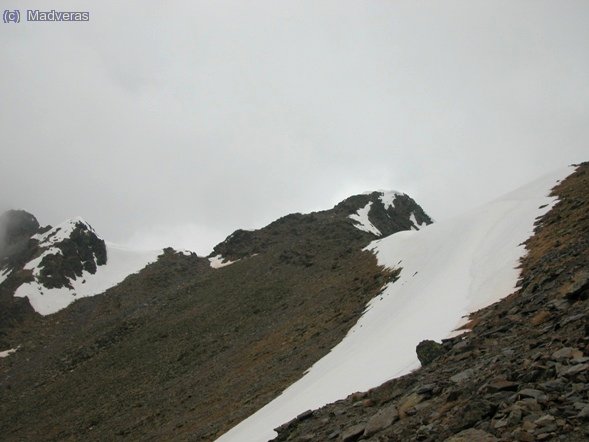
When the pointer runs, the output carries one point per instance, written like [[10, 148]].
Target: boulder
[[428, 351]]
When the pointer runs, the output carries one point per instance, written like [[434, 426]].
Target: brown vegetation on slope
[[181, 351]]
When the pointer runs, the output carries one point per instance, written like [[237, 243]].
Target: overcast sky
[[168, 122]]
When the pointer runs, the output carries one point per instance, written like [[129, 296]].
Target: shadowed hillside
[[185, 351]]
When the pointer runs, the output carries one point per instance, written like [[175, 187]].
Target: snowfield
[[121, 262], [449, 269]]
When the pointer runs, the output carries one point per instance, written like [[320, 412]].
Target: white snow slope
[[121, 262], [449, 269]]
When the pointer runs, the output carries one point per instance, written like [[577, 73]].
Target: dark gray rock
[[578, 285], [382, 419], [353, 433], [428, 351], [566, 353], [531, 392], [584, 413], [501, 385], [462, 376], [575, 369]]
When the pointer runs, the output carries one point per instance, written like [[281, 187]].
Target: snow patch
[[218, 261], [4, 274], [416, 225], [388, 198], [448, 270], [6, 353], [364, 224], [121, 262]]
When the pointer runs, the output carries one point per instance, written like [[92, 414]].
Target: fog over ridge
[[175, 123]]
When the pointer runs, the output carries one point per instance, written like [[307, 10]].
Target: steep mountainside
[[521, 372], [444, 272], [149, 358]]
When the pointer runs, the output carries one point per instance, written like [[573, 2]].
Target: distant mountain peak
[[66, 252], [53, 266], [64, 231]]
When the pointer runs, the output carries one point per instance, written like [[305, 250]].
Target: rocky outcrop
[[52, 256], [387, 211], [521, 374], [428, 351], [81, 250]]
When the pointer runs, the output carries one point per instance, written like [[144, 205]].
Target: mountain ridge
[[518, 370], [444, 271], [190, 330]]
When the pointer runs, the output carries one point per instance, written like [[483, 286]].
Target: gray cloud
[[174, 122]]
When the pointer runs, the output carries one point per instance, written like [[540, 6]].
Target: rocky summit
[[186, 347]]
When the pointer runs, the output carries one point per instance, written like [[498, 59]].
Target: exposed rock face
[[387, 212], [54, 256], [78, 251], [521, 374]]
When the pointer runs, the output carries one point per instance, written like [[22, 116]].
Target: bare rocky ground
[[521, 374]]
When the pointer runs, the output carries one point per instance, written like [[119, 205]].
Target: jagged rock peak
[[65, 251], [51, 256], [64, 231], [383, 212]]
